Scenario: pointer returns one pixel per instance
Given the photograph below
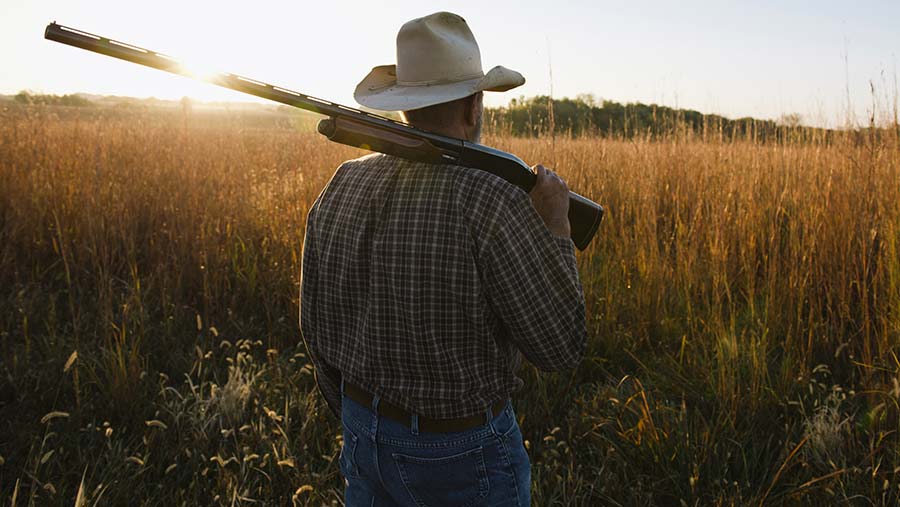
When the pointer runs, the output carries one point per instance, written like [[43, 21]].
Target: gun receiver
[[353, 127]]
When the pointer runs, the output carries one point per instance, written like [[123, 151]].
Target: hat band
[[431, 82]]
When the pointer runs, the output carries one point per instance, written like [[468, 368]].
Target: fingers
[[556, 180], [544, 173], [548, 178]]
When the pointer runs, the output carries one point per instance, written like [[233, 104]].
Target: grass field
[[743, 304]]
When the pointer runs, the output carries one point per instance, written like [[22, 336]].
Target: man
[[423, 283]]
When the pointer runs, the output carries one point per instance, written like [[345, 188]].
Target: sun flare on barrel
[[199, 71]]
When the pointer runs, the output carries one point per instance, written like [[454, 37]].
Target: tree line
[[29, 98], [586, 116]]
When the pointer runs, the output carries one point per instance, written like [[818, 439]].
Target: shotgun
[[353, 127]]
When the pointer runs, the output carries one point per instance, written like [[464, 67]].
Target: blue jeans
[[386, 463]]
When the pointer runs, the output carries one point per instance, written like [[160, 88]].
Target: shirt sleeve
[[328, 378], [532, 284]]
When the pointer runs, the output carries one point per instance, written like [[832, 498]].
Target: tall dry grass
[[743, 302]]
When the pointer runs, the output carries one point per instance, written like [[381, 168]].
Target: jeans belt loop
[[375, 400], [489, 418], [414, 424]]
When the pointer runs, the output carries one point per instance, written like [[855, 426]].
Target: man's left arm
[[328, 378]]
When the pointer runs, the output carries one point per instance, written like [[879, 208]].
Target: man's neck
[[457, 131]]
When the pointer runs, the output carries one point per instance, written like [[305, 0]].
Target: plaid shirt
[[422, 283]]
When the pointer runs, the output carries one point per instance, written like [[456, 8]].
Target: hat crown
[[438, 61], [438, 48]]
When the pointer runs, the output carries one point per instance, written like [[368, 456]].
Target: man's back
[[422, 282]]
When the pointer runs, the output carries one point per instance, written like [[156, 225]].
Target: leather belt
[[426, 424]]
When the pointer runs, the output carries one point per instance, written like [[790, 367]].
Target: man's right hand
[[550, 197]]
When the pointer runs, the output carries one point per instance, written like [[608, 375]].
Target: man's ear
[[471, 110]]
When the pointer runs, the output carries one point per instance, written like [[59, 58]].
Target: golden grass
[[733, 288]]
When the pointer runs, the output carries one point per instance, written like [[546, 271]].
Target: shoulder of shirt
[[366, 160], [470, 180], [360, 163]]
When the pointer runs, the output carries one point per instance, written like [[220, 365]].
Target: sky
[[763, 58]]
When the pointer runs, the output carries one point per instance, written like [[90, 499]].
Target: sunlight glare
[[200, 71]]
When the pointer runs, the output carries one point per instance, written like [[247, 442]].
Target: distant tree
[[22, 97], [71, 100], [587, 98], [187, 105], [792, 120]]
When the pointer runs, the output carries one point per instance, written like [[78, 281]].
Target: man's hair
[[438, 115]]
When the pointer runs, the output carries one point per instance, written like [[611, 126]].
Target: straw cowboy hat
[[438, 61]]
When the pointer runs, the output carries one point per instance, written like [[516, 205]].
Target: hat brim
[[380, 90]]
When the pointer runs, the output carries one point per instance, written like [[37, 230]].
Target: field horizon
[[563, 106]]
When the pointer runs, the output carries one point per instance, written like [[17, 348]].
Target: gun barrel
[[351, 126], [148, 58]]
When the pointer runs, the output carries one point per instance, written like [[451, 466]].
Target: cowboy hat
[[438, 61]]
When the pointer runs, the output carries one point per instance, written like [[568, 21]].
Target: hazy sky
[[760, 58]]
